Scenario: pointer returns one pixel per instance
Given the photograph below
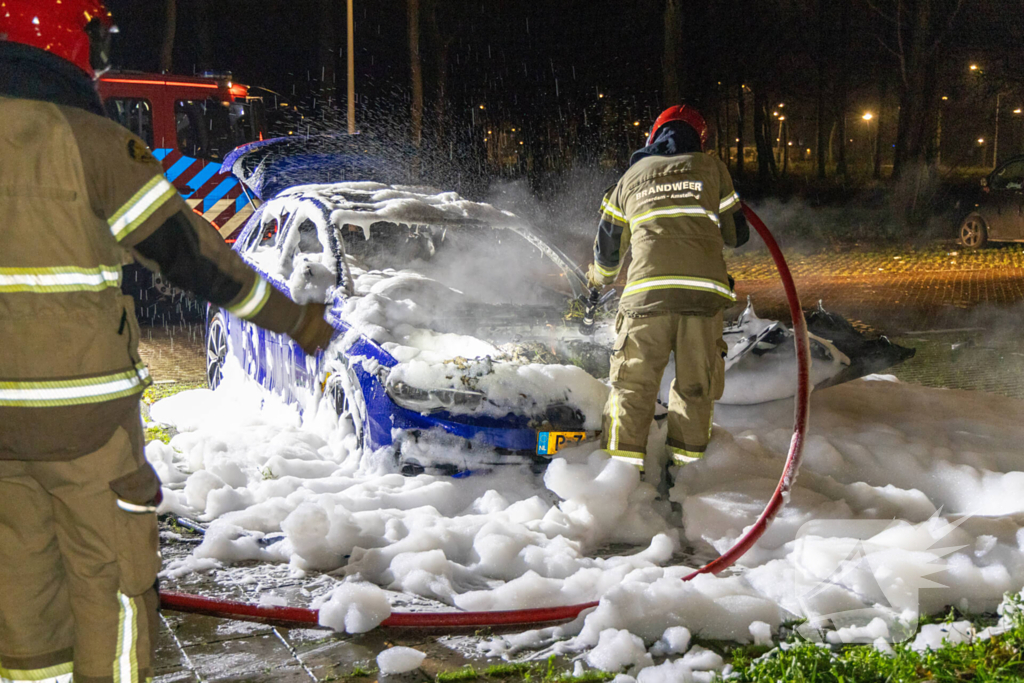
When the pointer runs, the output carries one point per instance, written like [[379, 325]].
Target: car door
[[1003, 209]]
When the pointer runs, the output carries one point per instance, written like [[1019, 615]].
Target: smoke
[[565, 210]]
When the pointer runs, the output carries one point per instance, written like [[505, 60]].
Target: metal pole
[[351, 72]]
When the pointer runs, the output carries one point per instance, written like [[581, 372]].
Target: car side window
[[268, 236], [133, 113], [309, 239], [1009, 177]]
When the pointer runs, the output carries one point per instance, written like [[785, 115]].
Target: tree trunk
[[727, 139], [767, 170], [822, 49], [741, 118], [883, 93], [917, 119], [416, 72], [785, 150], [842, 87], [720, 135], [205, 46], [673, 44], [327, 51], [170, 28]]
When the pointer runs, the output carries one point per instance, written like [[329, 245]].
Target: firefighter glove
[[594, 281], [312, 332]]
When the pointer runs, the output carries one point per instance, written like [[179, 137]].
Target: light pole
[[995, 136], [351, 72]]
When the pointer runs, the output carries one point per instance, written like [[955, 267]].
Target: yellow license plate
[[549, 443]]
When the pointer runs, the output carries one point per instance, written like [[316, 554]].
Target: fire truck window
[[134, 114], [190, 123], [209, 129]]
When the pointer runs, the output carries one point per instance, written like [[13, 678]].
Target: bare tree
[[822, 62], [201, 9], [327, 49], [170, 28], [918, 31], [672, 49], [416, 73], [741, 119], [843, 88]]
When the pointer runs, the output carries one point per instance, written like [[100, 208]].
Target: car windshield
[[480, 263], [1010, 176]]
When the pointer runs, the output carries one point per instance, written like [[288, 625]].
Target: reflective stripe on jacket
[[68, 334], [676, 214]]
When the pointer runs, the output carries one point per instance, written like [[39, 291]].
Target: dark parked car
[[998, 213]]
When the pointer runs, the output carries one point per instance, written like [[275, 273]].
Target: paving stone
[[254, 658]]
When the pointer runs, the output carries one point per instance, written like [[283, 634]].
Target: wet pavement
[[961, 311]]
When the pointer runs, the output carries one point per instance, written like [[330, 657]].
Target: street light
[[868, 116], [974, 67]]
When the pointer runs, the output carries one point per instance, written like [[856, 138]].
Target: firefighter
[[675, 208], [78, 530]]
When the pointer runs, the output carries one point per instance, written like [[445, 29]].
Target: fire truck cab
[[191, 123]]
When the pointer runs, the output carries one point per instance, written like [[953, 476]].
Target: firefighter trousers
[[641, 353], [79, 556]]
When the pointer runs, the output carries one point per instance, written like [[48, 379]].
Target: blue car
[[344, 243]]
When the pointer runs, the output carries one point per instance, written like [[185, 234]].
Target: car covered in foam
[[447, 354]]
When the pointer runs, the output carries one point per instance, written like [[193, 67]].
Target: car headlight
[[431, 400]]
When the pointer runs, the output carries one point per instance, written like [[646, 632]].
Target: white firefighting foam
[[276, 490]]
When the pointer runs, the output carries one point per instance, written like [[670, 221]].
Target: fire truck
[[191, 123]]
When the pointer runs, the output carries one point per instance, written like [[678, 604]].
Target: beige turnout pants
[[641, 353], [78, 562]]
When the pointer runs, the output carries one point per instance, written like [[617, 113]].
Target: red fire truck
[[191, 123]]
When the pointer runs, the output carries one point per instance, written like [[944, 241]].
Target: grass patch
[[466, 673], [155, 392], [528, 672], [157, 433], [510, 670], [999, 658], [362, 673]]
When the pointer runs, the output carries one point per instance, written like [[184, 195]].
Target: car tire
[[973, 232], [343, 402], [216, 347]]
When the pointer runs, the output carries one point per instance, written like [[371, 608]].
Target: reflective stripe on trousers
[[58, 673], [126, 662]]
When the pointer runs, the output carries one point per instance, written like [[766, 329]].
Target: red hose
[[305, 618]]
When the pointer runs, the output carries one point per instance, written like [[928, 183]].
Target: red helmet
[[684, 113], [75, 30]]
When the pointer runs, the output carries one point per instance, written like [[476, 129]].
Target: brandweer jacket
[[676, 213], [79, 195]]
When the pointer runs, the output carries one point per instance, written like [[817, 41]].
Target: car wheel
[[343, 402], [973, 232], [216, 349]]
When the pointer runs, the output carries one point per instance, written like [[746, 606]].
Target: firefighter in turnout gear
[[78, 531], [675, 209]]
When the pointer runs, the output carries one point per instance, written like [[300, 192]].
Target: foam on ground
[[276, 489]]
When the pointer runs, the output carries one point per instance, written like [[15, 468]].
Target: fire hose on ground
[[306, 618]]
